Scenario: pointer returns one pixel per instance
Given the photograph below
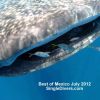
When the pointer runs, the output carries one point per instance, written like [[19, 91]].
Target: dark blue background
[[83, 66]]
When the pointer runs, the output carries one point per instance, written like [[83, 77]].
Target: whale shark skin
[[24, 23]]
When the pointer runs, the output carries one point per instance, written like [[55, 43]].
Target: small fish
[[74, 39], [54, 45], [41, 54], [65, 47], [96, 48]]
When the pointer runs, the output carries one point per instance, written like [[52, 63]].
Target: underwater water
[[83, 66]]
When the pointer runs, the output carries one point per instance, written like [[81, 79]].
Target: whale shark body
[[31, 40]]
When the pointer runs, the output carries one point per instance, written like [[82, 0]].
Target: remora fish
[[29, 27]]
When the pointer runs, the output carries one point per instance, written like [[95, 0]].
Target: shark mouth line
[[55, 50]]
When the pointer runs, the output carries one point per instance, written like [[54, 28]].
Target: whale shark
[[33, 37]]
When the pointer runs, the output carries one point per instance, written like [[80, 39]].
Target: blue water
[[83, 66]]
